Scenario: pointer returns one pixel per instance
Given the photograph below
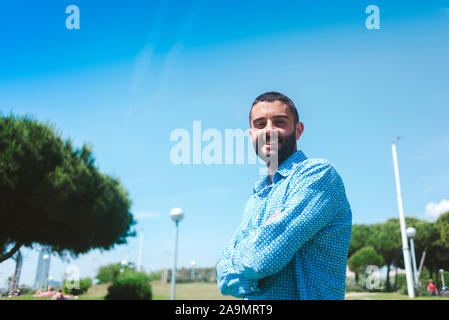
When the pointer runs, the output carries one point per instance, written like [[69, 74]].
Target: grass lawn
[[209, 291], [161, 291], [188, 291], [385, 296]]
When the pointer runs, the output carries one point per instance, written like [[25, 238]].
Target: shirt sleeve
[[311, 203], [229, 280]]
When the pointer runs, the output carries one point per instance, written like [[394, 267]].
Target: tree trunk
[[421, 264], [436, 280], [388, 286], [395, 278], [10, 253], [15, 279]]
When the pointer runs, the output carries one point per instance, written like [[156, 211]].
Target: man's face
[[273, 131]]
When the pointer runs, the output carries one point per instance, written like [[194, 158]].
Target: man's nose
[[269, 129]]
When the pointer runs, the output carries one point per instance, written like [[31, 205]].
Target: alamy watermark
[[210, 147], [373, 20], [372, 282], [73, 20], [72, 277]]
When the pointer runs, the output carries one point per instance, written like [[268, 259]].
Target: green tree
[[430, 235], [359, 237], [53, 194], [442, 225], [362, 258], [110, 273], [386, 240], [438, 254]]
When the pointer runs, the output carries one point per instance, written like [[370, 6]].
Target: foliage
[[24, 289], [84, 285], [54, 195], [109, 273], [364, 257], [433, 237], [184, 275], [442, 225], [386, 239], [130, 285], [155, 275], [359, 237]]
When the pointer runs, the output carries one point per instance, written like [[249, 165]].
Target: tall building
[[43, 270]]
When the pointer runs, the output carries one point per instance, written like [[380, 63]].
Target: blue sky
[[136, 71]]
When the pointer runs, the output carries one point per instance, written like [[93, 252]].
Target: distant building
[[43, 270]]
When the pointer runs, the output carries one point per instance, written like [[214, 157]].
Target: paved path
[[358, 294]]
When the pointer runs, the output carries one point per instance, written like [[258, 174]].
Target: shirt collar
[[284, 170]]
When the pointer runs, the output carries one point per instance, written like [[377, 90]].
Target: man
[[293, 240]]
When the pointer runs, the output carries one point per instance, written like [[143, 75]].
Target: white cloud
[[145, 215], [435, 209]]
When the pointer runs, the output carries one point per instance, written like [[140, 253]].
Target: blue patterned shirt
[[294, 237]]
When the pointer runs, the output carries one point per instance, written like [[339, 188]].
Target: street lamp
[[123, 263], [176, 215], [405, 248], [192, 272], [411, 232], [139, 262]]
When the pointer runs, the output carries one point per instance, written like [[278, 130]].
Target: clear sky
[[135, 71]]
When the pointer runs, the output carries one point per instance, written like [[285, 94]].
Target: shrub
[[155, 275], [130, 285], [24, 289], [109, 273], [353, 286], [84, 285]]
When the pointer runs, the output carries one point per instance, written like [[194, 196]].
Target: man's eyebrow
[[278, 116], [257, 119]]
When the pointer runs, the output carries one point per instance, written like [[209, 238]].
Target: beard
[[282, 152]]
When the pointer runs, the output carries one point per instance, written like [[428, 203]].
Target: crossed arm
[[311, 204]]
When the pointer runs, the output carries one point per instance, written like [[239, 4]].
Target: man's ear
[[299, 130]]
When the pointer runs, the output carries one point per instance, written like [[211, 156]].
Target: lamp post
[[139, 262], [123, 263], [405, 248], [176, 215], [44, 277], [442, 277], [411, 232], [192, 272]]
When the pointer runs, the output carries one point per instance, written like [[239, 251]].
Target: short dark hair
[[276, 96]]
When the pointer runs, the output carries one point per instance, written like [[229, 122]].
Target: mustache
[[282, 151], [266, 140]]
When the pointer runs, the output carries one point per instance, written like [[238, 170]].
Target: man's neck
[[272, 167]]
